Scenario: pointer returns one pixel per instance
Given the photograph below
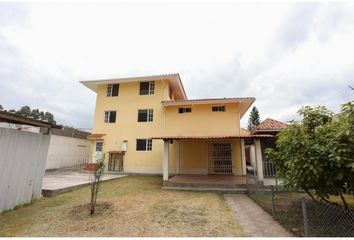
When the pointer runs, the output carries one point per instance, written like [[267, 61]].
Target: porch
[[210, 182], [209, 161]]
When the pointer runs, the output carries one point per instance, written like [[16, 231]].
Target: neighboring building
[[68, 148], [201, 136], [271, 127]]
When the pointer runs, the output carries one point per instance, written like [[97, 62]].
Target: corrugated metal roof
[[213, 137]]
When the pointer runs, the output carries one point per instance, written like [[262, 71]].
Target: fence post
[[273, 205], [304, 214]]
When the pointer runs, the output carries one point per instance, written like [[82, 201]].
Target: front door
[[98, 150], [220, 158]]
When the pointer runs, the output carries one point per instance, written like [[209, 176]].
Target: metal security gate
[[115, 162], [220, 159]]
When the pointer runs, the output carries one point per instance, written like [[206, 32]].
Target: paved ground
[[63, 181], [253, 219]]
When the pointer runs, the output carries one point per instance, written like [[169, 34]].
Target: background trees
[[317, 154], [34, 113], [254, 119]]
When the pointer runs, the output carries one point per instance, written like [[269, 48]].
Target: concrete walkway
[[58, 182], [253, 219]]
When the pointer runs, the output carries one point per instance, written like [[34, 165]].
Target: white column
[[243, 157], [165, 160], [177, 156], [259, 161]]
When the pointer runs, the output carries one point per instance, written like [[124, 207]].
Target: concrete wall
[[22, 161], [67, 152]]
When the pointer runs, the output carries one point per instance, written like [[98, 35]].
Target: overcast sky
[[285, 54]]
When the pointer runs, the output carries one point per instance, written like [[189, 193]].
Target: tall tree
[[254, 119], [1, 108]]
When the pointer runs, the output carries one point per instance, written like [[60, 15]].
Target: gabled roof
[[270, 125], [245, 102], [173, 79]]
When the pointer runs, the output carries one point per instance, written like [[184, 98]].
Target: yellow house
[[147, 125]]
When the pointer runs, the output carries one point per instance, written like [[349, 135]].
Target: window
[[218, 109], [147, 88], [145, 115], [184, 110], [112, 90], [99, 146], [110, 117], [144, 144]]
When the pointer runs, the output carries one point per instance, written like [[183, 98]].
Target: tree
[[25, 110], [254, 119], [1, 108], [317, 154], [97, 172]]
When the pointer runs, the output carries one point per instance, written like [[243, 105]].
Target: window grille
[[218, 108], [145, 115], [147, 88], [184, 110], [220, 158], [144, 144], [112, 90]]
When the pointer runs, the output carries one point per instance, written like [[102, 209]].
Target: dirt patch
[[83, 211], [168, 214]]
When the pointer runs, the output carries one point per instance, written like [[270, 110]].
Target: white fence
[[22, 160]]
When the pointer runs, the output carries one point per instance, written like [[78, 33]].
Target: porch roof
[[96, 136], [213, 137]]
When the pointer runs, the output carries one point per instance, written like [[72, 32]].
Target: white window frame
[[219, 108], [184, 110], [107, 116], [149, 116], [148, 146]]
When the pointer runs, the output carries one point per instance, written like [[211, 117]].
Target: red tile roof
[[96, 136], [213, 137], [270, 125]]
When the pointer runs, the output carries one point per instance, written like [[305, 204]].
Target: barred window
[[147, 88], [218, 108], [110, 116], [112, 90], [144, 144], [145, 115], [184, 110]]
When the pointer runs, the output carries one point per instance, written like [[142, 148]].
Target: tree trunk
[[344, 201]]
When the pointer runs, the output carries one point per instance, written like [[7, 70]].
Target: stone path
[[253, 219]]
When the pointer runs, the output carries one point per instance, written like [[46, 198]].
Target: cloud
[[285, 54]]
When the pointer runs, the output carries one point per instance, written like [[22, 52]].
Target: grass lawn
[[288, 212], [130, 206]]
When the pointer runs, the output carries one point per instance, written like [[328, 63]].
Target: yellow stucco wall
[[194, 154], [202, 121], [128, 128]]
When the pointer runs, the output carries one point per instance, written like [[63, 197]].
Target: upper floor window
[[184, 110], [110, 116], [218, 108], [143, 144], [147, 88], [112, 90], [145, 115]]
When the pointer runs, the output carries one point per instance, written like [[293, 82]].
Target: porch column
[[165, 160], [259, 161], [243, 157], [177, 156]]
